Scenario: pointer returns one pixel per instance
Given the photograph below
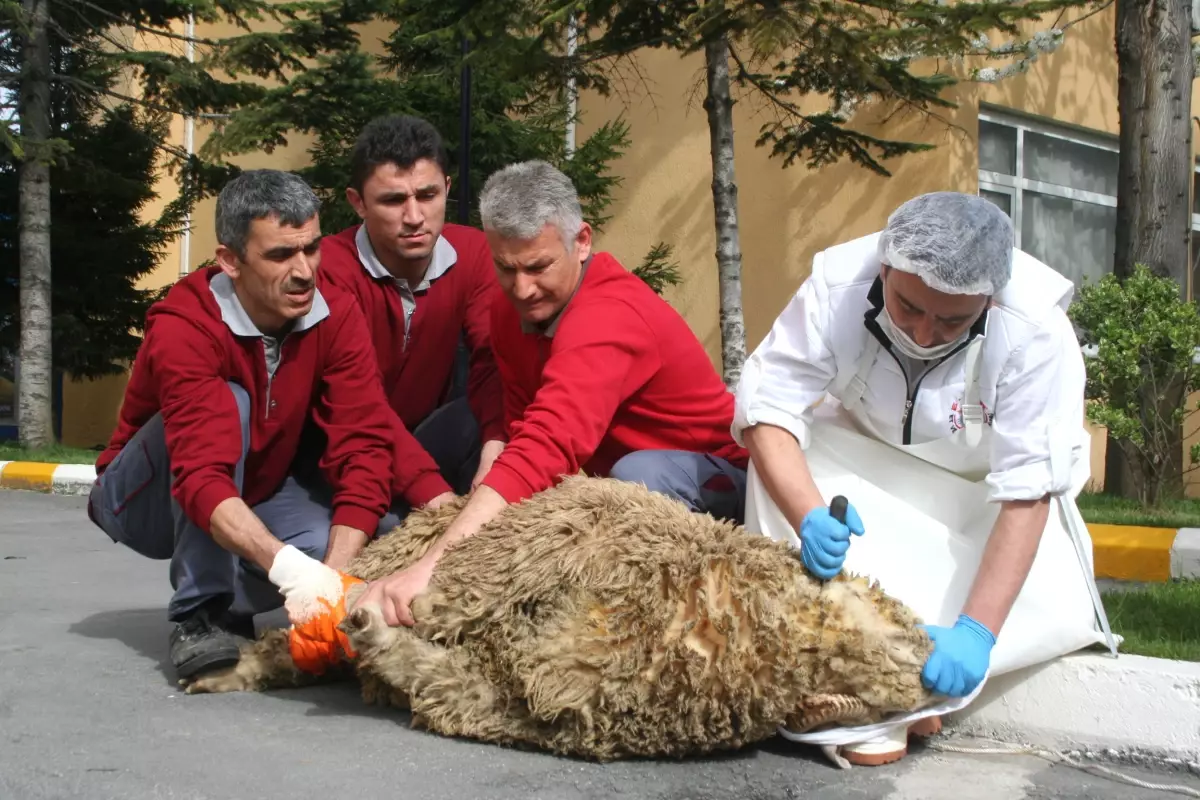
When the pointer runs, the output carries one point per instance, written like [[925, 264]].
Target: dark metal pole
[[462, 357], [464, 140]]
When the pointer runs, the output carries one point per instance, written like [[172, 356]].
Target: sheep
[[600, 620]]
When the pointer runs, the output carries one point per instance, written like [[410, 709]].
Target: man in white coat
[[950, 352]]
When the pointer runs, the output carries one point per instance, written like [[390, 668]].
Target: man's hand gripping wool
[[315, 599]]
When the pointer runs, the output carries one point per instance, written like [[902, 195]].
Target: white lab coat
[[926, 461]]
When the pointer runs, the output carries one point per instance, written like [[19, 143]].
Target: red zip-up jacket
[[621, 372], [417, 368], [187, 356]]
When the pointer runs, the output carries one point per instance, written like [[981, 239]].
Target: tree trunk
[[1154, 92], [719, 106], [35, 413]]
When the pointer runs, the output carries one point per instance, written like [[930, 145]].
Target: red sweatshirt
[[417, 368], [187, 356], [621, 372]]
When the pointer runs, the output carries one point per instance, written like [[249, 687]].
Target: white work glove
[[305, 582]]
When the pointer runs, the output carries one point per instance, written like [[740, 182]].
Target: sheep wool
[[597, 619]]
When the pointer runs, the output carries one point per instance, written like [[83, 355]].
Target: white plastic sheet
[[926, 529]]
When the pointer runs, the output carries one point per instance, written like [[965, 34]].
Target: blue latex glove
[[960, 657], [824, 541]]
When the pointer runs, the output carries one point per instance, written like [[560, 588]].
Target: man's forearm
[[485, 504], [344, 544], [780, 463], [237, 529], [1009, 554]]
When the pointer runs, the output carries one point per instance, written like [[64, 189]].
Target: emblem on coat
[[956, 417]]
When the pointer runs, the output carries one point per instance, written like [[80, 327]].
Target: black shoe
[[202, 642], [239, 625]]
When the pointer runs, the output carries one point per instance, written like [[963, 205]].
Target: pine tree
[[76, 59], [514, 117], [850, 53], [99, 245]]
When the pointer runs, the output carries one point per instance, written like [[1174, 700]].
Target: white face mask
[[906, 345]]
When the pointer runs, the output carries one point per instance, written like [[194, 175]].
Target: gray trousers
[[449, 434], [131, 502], [704, 483]]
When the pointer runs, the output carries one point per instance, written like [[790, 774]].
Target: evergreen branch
[[820, 135], [127, 23], [1031, 48], [137, 101], [53, 25]]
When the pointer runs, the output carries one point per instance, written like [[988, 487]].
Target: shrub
[[1142, 373]]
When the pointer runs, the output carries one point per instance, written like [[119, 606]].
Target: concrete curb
[[1132, 704], [1137, 553], [69, 479], [1121, 552]]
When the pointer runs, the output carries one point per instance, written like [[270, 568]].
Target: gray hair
[[519, 200], [257, 194]]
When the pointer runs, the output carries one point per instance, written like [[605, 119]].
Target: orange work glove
[[317, 644], [315, 599]]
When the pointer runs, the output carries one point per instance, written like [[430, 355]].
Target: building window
[[1195, 287], [1059, 185], [1060, 188]]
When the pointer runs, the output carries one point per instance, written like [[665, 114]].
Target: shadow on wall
[[1075, 85], [789, 214], [786, 214]]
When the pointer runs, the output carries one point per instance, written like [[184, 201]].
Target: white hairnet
[[956, 243]]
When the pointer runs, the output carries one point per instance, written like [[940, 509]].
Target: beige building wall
[[786, 214], [789, 214]]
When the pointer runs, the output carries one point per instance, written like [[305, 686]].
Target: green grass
[[54, 454], [1106, 509], [1159, 620]]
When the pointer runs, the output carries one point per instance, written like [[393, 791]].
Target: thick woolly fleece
[[601, 620]]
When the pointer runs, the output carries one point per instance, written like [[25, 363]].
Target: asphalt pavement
[[89, 709]]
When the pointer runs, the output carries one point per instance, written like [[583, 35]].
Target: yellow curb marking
[[1131, 552], [28, 475], [1121, 552]]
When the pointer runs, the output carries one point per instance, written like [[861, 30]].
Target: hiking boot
[[202, 642], [239, 625]]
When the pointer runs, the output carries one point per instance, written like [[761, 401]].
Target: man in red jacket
[[422, 284], [600, 374], [234, 360]]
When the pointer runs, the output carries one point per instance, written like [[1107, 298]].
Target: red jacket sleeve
[[201, 423], [484, 388], [354, 414], [593, 367]]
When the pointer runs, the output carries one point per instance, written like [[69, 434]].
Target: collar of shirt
[[549, 327], [234, 314], [444, 257], [875, 308]]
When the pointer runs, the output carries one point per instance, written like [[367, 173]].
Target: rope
[[1051, 755]]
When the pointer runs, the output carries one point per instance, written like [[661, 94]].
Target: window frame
[[1016, 185]]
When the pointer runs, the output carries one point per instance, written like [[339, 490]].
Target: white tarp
[[925, 533]]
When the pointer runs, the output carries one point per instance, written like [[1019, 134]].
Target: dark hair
[[397, 139], [258, 194]]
